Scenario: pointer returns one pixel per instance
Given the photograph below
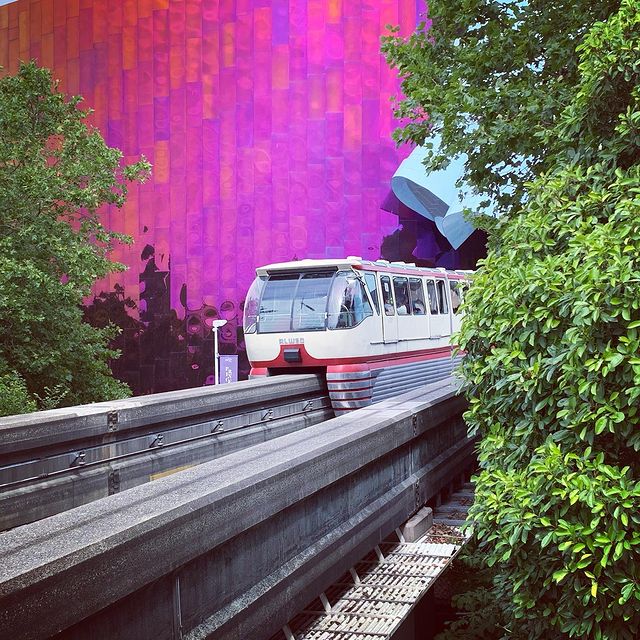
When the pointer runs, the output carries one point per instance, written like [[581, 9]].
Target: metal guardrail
[[231, 548], [80, 454]]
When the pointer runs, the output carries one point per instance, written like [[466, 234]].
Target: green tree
[[489, 78], [552, 335], [55, 173]]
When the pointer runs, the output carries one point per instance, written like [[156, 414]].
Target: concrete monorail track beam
[[52, 461], [232, 548]]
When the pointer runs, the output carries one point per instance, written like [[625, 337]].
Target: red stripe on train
[[355, 363]]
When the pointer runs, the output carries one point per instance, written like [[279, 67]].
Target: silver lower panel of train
[[355, 390]]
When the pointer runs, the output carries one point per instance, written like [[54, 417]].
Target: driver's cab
[[309, 300]]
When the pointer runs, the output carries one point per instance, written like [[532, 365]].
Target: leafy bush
[[552, 335], [14, 396], [478, 614]]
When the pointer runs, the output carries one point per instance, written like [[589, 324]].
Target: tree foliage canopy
[[552, 324], [490, 78], [55, 173]]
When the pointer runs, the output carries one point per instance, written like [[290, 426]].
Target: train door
[[389, 318], [427, 304], [408, 307], [444, 317], [419, 308], [439, 321], [455, 289], [372, 289]]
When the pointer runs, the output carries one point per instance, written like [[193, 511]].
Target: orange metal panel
[[73, 41], [129, 47], [228, 44], [59, 13], [334, 11], [47, 16], [23, 33], [35, 22], [161, 156], [145, 8], [73, 8], [46, 50], [194, 59]]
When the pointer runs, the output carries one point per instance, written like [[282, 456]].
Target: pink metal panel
[[268, 123]]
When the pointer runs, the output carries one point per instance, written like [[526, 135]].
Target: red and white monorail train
[[375, 329]]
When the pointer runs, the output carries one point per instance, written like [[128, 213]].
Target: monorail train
[[374, 328]]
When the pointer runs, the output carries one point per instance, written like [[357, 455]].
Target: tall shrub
[[552, 335]]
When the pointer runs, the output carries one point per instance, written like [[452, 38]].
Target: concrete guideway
[[230, 548], [106, 448]]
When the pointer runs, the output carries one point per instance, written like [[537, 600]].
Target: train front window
[[310, 302], [251, 305], [276, 303], [294, 302], [348, 303]]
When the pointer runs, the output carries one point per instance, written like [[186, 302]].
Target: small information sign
[[228, 369]]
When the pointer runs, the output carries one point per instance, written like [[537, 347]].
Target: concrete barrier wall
[[104, 422], [233, 548], [40, 472]]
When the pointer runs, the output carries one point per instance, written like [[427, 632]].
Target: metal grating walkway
[[372, 600]]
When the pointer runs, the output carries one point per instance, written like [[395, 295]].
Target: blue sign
[[228, 369]]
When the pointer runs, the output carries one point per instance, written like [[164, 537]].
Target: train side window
[[456, 295], [401, 291], [431, 294], [387, 296], [442, 297], [417, 296], [370, 279]]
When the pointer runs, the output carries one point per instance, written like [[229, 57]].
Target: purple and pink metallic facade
[[268, 124]]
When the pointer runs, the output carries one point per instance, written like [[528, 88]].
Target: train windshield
[[310, 302], [251, 304], [294, 302]]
